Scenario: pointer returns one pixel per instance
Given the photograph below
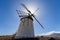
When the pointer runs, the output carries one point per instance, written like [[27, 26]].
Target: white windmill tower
[[25, 29]]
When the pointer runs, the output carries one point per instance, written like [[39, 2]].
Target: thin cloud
[[48, 33]]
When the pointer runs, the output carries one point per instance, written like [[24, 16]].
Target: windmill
[[26, 24]]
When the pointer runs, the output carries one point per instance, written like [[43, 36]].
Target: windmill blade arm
[[36, 10], [21, 12], [38, 22], [26, 8], [20, 16], [17, 11]]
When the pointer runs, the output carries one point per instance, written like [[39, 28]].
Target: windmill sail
[[38, 22], [36, 10], [26, 8]]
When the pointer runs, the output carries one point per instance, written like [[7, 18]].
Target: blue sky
[[48, 15]]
